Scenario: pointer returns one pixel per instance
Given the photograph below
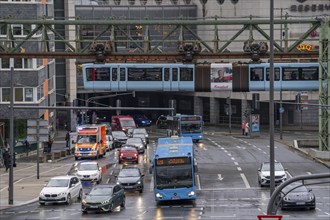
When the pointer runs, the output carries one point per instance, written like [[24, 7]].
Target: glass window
[[6, 94], [174, 74], [186, 74], [26, 29], [102, 74], [3, 30], [257, 74], [290, 73], [17, 29], [5, 63], [90, 74], [18, 64], [309, 73], [114, 74], [28, 94], [276, 74], [122, 74], [18, 94], [166, 74]]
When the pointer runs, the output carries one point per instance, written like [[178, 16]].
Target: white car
[[141, 131], [61, 189], [264, 174], [109, 140], [89, 171]]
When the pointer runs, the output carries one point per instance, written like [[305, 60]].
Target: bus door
[[166, 79], [122, 79], [175, 79], [114, 80]]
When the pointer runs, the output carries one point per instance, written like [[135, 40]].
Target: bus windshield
[[170, 177], [192, 127]]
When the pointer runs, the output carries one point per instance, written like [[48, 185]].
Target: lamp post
[[11, 140]]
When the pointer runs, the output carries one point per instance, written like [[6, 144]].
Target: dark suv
[[131, 179], [161, 122]]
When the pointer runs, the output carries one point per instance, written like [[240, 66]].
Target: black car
[[296, 196], [119, 139], [131, 179], [161, 122], [103, 198]]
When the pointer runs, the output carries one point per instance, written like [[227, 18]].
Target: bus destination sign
[[191, 118], [173, 161]]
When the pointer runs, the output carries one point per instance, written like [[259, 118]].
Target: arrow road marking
[[220, 177]]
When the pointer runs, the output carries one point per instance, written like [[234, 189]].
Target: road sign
[[270, 217]]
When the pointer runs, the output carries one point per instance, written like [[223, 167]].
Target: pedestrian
[[247, 128], [6, 159], [67, 139], [49, 144], [243, 127]]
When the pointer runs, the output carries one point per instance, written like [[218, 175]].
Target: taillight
[[121, 155], [135, 155]]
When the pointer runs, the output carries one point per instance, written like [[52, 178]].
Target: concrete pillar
[[198, 105], [214, 110]]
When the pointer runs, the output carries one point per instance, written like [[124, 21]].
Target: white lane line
[[152, 183], [289, 174], [239, 169], [247, 185], [198, 182], [309, 173], [233, 158], [236, 163], [19, 170]]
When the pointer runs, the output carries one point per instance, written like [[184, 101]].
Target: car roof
[[63, 177], [88, 162]]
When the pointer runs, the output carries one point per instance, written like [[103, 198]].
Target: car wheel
[[141, 191], [80, 194], [123, 203], [99, 181], [111, 207], [68, 200], [76, 158], [84, 212], [43, 203]]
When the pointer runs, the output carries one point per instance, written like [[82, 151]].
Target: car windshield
[[129, 173], [82, 139], [134, 141], [127, 123], [119, 134], [88, 166], [128, 149], [100, 191], [58, 183], [277, 167], [139, 130], [296, 186]]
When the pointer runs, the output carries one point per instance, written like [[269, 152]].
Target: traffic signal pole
[[11, 140]]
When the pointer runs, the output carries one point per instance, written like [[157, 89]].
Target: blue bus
[[186, 126], [287, 77], [174, 170]]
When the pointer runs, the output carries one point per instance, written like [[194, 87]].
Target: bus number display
[[173, 161], [190, 118]]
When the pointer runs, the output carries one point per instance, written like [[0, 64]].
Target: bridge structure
[[194, 40]]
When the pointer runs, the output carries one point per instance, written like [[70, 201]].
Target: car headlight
[[106, 201], [118, 183], [41, 193], [158, 195], [191, 193], [62, 193], [139, 182], [83, 202], [311, 197]]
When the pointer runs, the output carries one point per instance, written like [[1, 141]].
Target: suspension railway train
[[176, 77]]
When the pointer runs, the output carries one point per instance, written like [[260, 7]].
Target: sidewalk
[[27, 187]]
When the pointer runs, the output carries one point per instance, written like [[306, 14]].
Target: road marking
[[233, 158], [239, 169], [289, 174], [198, 182], [236, 163], [152, 183], [247, 185], [309, 173], [220, 177]]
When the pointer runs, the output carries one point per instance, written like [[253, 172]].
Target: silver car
[[264, 174]]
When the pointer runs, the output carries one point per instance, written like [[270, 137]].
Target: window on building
[[18, 95], [18, 63], [5, 63], [5, 94], [28, 94]]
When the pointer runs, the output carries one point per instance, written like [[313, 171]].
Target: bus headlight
[[158, 195], [191, 193]]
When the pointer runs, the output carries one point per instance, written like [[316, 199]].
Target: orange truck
[[91, 141]]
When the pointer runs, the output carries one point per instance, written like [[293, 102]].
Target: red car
[[128, 154]]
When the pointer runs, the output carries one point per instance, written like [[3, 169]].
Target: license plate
[[174, 198], [128, 187], [300, 203], [93, 207], [129, 158]]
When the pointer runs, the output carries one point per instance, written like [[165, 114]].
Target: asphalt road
[[226, 181]]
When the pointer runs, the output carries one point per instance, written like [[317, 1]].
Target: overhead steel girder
[[80, 46], [324, 89]]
